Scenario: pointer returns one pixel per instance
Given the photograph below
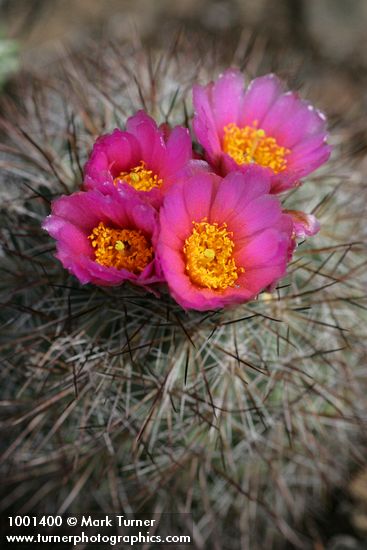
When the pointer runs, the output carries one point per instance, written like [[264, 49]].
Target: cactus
[[118, 400]]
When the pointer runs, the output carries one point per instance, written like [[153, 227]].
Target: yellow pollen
[[119, 245], [251, 145], [121, 248], [209, 253], [209, 256], [140, 178]]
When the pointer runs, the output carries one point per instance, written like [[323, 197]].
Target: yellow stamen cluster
[[209, 256], [140, 178], [121, 248], [251, 145]]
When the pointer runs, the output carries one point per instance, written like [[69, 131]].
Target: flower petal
[[304, 225], [227, 99], [204, 123], [259, 98], [236, 191]]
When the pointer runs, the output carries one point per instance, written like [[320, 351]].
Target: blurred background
[[326, 39], [331, 33]]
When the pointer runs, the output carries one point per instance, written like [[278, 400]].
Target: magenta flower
[[145, 157], [304, 225], [261, 125], [222, 241], [106, 239]]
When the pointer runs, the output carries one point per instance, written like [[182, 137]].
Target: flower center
[[251, 145], [209, 256], [140, 178], [121, 248]]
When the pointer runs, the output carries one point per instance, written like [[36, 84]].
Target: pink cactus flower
[[145, 157], [106, 239], [260, 125], [222, 241], [304, 225]]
